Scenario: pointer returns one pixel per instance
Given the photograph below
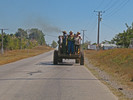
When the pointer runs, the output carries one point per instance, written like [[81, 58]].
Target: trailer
[[59, 55]]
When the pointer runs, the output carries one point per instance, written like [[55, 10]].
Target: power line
[[93, 27], [110, 27], [112, 5], [122, 4], [89, 23], [86, 37], [100, 4], [111, 31], [107, 5]]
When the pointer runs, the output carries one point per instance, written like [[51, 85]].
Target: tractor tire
[[55, 58], [60, 60], [82, 58], [76, 60]]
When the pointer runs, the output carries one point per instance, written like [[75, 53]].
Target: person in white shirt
[[77, 42]]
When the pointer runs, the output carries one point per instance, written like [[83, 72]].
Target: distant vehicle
[[108, 46], [59, 56]]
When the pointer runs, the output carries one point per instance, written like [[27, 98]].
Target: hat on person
[[78, 32], [71, 32], [64, 32]]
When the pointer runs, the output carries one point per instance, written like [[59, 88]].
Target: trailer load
[[69, 47]]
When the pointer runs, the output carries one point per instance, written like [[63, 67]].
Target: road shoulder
[[105, 78]]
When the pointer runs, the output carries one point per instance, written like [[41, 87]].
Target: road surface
[[36, 78]]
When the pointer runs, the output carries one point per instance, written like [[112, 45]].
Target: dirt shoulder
[[119, 88]]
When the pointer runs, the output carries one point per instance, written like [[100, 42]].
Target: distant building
[[131, 43], [92, 47], [108, 46]]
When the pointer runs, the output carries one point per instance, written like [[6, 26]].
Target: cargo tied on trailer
[[69, 48]]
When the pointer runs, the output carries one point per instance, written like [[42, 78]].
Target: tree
[[54, 44], [124, 38], [7, 41], [21, 33], [20, 39], [107, 42], [37, 35]]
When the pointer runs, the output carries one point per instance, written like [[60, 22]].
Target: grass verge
[[115, 91], [15, 55], [117, 62]]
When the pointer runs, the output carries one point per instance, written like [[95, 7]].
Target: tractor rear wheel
[[82, 58], [60, 60]]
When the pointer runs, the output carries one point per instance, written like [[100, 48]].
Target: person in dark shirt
[[64, 45]]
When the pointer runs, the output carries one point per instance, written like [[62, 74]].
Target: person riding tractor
[[70, 43], [66, 48], [64, 45], [77, 42]]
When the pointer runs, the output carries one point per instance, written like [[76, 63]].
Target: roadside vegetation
[[123, 39], [14, 55], [22, 39], [22, 44], [117, 62]]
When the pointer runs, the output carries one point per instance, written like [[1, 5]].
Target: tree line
[[123, 39], [23, 39]]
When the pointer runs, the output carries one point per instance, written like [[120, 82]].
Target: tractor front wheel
[[55, 58], [76, 60]]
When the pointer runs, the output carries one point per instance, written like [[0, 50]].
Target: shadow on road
[[51, 63]]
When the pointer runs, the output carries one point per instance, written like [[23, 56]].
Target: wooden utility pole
[[99, 20], [2, 31], [83, 35]]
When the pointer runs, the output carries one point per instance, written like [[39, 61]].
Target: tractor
[[59, 55]]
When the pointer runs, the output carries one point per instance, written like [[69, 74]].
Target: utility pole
[[21, 41], [83, 34], [99, 20], [2, 31]]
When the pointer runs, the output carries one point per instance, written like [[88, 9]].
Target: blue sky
[[51, 16]]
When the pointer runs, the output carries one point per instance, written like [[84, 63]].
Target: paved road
[[37, 78]]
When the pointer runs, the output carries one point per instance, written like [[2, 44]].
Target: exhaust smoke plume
[[42, 25]]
